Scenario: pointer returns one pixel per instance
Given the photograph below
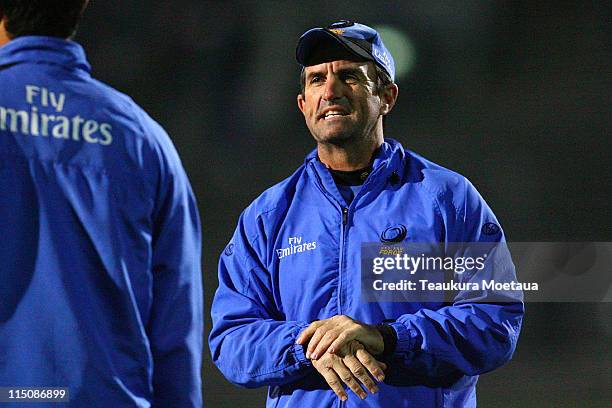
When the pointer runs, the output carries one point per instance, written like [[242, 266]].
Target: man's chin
[[338, 139]]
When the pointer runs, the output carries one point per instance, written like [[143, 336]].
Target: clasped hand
[[353, 366], [341, 350]]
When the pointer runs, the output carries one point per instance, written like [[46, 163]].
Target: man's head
[[54, 18], [347, 82]]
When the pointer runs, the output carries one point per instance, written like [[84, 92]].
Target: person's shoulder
[[448, 188], [107, 95], [275, 200], [128, 113], [125, 106], [434, 177]]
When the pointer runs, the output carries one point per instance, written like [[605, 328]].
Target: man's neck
[[4, 38], [349, 157]]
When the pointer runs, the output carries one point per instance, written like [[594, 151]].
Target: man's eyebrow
[[315, 72], [352, 71], [340, 71], [349, 70]]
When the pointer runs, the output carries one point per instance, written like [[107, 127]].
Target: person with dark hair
[[100, 279], [290, 311], [53, 18]]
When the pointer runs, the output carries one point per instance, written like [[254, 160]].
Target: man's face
[[339, 103]]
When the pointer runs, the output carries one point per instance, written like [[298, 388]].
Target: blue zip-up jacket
[[267, 296], [100, 283]]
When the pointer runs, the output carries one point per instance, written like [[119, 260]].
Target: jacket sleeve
[[175, 324], [251, 342], [478, 331]]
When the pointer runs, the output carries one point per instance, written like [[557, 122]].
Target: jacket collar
[[389, 156], [39, 49], [387, 168]]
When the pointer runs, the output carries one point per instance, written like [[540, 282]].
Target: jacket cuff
[[300, 355], [407, 339], [297, 349], [389, 339]]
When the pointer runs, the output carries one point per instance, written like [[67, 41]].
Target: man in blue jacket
[[100, 283], [289, 312]]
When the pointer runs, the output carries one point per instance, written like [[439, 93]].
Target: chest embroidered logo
[[490, 228], [396, 233], [296, 246]]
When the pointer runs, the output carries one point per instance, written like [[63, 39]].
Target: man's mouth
[[332, 113]]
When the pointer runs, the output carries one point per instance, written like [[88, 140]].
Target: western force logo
[[296, 246], [490, 228], [396, 233]]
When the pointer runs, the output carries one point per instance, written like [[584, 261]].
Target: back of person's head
[[54, 18]]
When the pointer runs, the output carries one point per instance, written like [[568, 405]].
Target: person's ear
[[300, 102], [388, 96]]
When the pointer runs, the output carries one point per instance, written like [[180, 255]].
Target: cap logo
[[337, 31], [383, 57]]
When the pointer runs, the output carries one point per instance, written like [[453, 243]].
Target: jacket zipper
[[345, 214], [345, 217]]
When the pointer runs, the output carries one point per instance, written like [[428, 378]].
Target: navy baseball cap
[[359, 39]]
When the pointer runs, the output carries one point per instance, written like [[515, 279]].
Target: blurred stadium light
[[401, 47]]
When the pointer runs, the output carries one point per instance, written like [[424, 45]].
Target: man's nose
[[333, 88]]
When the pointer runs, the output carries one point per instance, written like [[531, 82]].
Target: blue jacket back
[[100, 286]]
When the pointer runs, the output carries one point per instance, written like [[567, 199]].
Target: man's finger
[[334, 383], [307, 332], [360, 372], [340, 341], [373, 366], [330, 337], [347, 377], [314, 340]]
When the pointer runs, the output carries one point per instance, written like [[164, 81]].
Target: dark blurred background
[[515, 95]]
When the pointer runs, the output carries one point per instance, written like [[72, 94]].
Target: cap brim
[[318, 36]]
